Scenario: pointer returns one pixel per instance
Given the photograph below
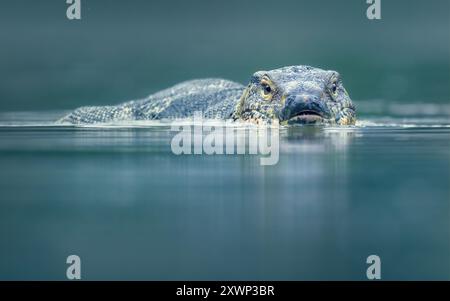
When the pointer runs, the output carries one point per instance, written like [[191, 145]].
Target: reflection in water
[[131, 209]]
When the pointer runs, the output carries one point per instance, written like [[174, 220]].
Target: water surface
[[131, 209]]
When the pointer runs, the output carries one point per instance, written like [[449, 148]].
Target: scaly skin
[[290, 95]]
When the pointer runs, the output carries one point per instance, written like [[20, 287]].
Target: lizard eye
[[266, 88], [334, 88]]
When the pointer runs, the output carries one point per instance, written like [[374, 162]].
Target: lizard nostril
[[289, 100]]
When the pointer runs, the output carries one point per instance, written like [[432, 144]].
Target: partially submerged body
[[290, 95]]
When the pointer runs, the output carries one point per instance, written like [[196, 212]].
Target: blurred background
[[131, 209], [124, 50]]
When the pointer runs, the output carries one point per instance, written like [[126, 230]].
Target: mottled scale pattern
[[290, 95], [215, 98]]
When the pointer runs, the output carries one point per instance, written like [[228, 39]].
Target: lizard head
[[296, 95]]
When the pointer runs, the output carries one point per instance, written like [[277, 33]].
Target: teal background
[[123, 50], [132, 210]]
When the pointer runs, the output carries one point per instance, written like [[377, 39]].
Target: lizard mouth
[[306, 117]]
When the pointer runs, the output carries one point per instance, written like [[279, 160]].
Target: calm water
[[131, 209]]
